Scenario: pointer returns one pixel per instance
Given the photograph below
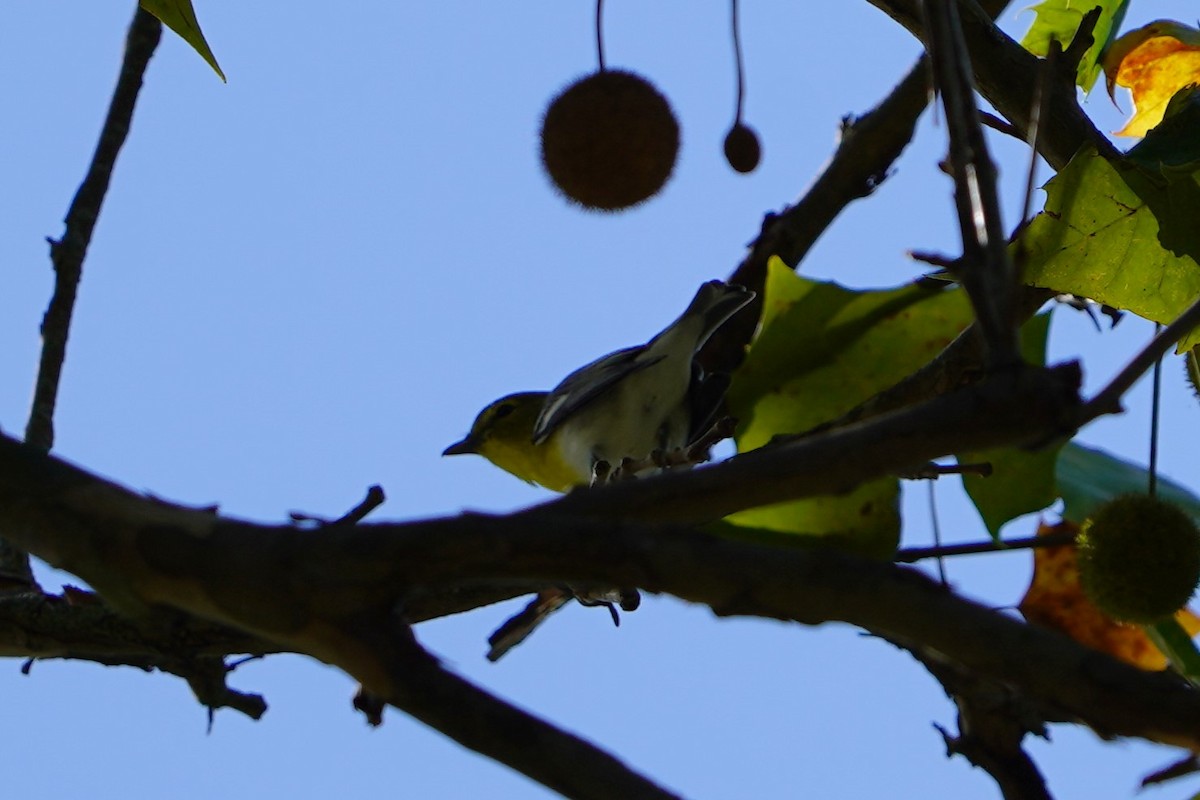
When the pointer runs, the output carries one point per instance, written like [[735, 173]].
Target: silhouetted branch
[[1007, 75], [68, 253], [985, 270], [993, 720], [424, 689], [1108, 399]]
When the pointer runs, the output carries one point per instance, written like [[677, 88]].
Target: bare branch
[[68, 253], [330, 594], [908, 555], [1108, 399]]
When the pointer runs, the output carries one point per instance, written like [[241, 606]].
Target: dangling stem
[[737, 58], [600, 33], [937, 536], [1152, 488]]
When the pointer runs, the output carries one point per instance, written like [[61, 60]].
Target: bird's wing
[[585, 384]]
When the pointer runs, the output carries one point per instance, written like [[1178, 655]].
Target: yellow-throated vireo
[[625, 405]]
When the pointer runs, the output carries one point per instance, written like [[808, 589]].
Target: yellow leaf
[[179, 16], [1153, 62], [1056, 600]]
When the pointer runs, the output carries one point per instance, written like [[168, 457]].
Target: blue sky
[[310, 279]]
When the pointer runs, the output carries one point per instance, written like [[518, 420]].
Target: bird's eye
[[504, 410]]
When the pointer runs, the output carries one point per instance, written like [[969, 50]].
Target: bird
[[630, 409], [629, 405]]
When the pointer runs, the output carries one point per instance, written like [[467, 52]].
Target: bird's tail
[[714, 303]]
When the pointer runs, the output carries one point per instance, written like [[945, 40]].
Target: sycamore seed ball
[[609, 140], [1139, 558], [742, 149]]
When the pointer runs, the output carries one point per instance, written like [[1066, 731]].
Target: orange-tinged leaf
[[1153, 62], [1056, 600]]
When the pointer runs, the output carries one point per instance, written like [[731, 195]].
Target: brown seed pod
[[609, 140], [742, 149]]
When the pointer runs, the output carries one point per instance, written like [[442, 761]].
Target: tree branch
[[993, 721], [1029, 407], [314, 592], [985, 270], [68, 253], [1108, 399], [1007, 75], [867, 148]]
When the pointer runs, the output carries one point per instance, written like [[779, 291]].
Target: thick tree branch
[[310, 591], [1007, 75], [79, 625], [334, 592]]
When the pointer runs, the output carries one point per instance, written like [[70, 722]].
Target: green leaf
[[1021, 481], [865, 521], [1119, 234], [1179, 648], [1088, 478], [179, 16], [1057, 20], [1173, 146], [821, 350]]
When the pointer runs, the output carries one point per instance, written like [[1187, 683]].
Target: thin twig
[[1108, 399], [68, 253], [374, 499], [932, 470], [1001, 125], [986, 271], [909, 555]]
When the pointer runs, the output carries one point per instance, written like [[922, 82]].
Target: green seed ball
[[610, 140], [742, 149], [1139, 558]]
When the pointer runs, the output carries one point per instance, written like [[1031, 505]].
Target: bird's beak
[[460, 448]]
